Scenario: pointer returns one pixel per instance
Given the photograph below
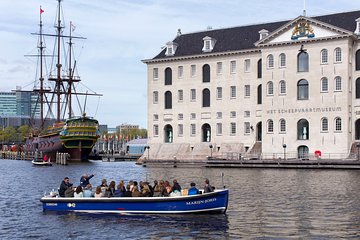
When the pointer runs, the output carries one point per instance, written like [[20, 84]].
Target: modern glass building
[[17, 107]]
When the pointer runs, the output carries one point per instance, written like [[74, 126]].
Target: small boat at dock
[[212, 202], [40, 162]]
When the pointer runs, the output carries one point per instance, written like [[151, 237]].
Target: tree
[[23, 131], [9, 134]]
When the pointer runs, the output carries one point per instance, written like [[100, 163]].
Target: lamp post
[[148, 151], [211, 149], [284, 147], [358, 150]]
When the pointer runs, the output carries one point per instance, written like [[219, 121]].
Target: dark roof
[[244, 37]]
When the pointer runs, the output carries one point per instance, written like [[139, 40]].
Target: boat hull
[[41, 163], [214, 202], [50, 145]]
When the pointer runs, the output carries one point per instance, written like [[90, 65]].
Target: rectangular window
[[169, 51], [193, 116], [282, 87], [247, 128], [193, 71], [233, 114], [324, 56], [233, 92], [247, 90], [324, 85], [282, 126], [338, 84], [180, 116], [192, 95], [156, 117], [282, 60], [155, 73], [156, 130], [233, 67], [246, 113], [219, 129], [338, 55], [155, 97], [232, 129], [193, 129], [247, 65], [325, 125], [180, 95], [270, 127], [180, 129], [219, 115], [180, 71], [219, 68], [207, 44], [338, 124], [219, 92]]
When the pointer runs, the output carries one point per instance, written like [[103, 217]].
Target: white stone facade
[[231, 119]]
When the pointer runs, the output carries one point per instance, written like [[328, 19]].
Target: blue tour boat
[[213, 202]]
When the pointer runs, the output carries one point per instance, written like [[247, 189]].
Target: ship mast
[[41, 78], [70, 71], [58, 65]]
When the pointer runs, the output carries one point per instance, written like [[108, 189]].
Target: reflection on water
[[264, 203]]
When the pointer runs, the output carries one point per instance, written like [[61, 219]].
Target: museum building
[[288, 89]]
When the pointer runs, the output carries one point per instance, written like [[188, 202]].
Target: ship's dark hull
[[50, 145]]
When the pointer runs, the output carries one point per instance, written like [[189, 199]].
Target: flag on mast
[[72, 26], [41, 10]]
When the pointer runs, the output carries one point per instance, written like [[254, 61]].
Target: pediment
[[303, 28]]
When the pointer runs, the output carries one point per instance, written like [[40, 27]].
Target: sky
[[121, 33]]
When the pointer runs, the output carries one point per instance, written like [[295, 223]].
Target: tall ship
[[55, 127]]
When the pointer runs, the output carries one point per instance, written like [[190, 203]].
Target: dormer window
[[170, 49], [263, 33], [357, 30], [209, 44]]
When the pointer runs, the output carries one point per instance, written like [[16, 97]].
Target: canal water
[[264, 204]]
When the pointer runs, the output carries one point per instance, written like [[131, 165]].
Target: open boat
[[213, 202], [40, 162]]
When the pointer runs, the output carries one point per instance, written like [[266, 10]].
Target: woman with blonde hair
[[98, 192]]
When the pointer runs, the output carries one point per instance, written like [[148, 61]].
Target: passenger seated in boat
[[193, 190], [98, 192], [85, 179], [135, 184], [110, 191], [65, 184], [167, 188], [103, 186], [45, 158], [153, 188], [136, 192], [128, 193], [120, 190], [88, 191], [131, 183], [122, 186], [157, 191], [145, 192], [176, 186], [78, 192], [208, 187]]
